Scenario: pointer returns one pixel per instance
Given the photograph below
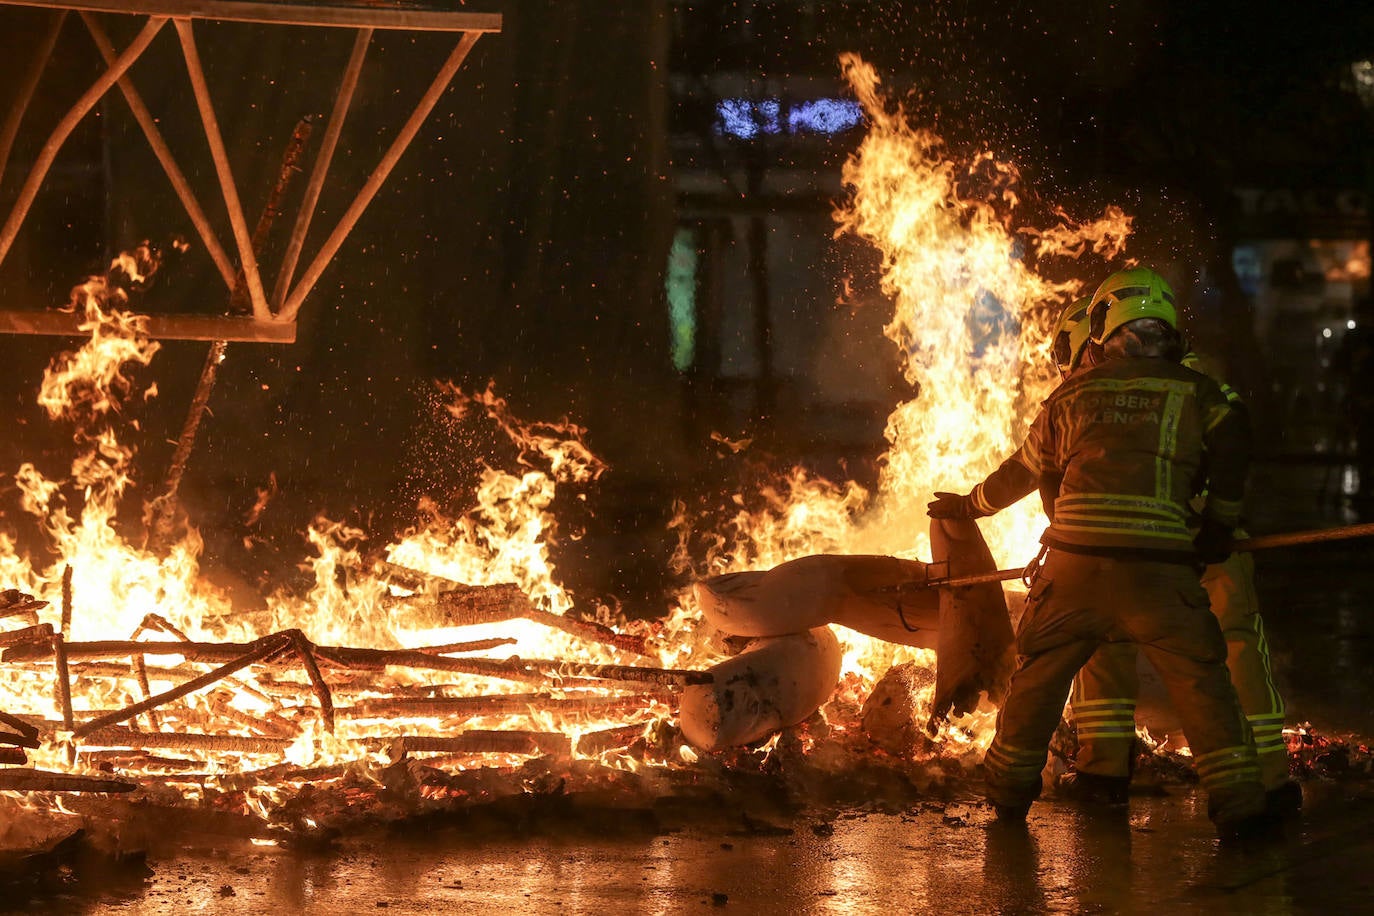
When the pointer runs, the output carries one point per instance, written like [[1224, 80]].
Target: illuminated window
[[824, 116], [680, 283], [747, 119]]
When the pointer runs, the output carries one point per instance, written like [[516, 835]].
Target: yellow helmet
[[1129, 295], [1070, 335]]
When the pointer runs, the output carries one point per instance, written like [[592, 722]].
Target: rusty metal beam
[[160, 327], [433, 18], [26, 88], [379, 175], [164, 155], [247, 260], [67, 125], [342, 102]]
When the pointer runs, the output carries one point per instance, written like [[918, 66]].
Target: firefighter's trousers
[[1078, 604], [1104, 694]]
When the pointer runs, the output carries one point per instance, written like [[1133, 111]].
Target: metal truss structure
[[274, 311]]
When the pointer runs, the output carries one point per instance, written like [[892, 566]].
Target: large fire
[[403, 650]]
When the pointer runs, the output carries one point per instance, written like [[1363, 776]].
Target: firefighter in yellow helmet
[[1124, 445], [1104, 693]]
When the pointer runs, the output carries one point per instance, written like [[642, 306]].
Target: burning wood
[[476, 741], [34, 634], [267, 646], [131, 759], [264, 723], [15, 739], [14, 603], [595, 743], [465, 605], [24, 728], [775, 682], [141, 675], [474, 645], [499, 704], [115, 736], [64, 680], [303, 649], [26, 780]]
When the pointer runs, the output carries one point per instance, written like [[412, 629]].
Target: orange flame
[[971, 319]]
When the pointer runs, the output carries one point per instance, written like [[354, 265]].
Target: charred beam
[[141, 675], [66, 600], [14, 739], [514, 668], [115, 736], [64, 680], [588, 631], [267, 724], [465, 605], [477, 741], [27, 729], [140, 759], [609, 739], [158, 622], [497, 704], [475, 645], [26, 780], [665, 677], [39, 633], [263, 648], [317, 681], [13, 602]]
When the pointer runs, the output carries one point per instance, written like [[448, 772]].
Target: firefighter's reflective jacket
[[1015, 478], [1122, 447]]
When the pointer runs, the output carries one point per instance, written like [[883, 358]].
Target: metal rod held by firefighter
[[1245, 545]]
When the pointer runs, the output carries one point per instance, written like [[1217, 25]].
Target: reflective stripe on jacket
[[1124, 447], [1017, 477]]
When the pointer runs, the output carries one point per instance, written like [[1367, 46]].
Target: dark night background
[[525, 235]]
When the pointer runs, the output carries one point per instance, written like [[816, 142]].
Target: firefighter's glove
[[951, 505], [1213, 542]]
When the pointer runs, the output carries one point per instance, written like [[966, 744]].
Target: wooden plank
[[26, 780], [430, 17], [160, 327]]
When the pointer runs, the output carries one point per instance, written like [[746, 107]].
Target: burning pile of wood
[[365, 720], [307, 689]]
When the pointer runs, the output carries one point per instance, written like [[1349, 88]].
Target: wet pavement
[[1162, 856], [938, 856]]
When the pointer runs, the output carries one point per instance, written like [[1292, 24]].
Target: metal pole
[[226, 176], [1246, 545], [164, 155], [26, 89], [379, 175], [1297, 538], [67, 125], [342, 102]]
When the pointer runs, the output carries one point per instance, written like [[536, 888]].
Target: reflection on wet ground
[[942, 857], [1160, 856]]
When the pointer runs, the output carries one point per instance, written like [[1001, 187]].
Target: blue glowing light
[[824, 116], [748, 119]]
